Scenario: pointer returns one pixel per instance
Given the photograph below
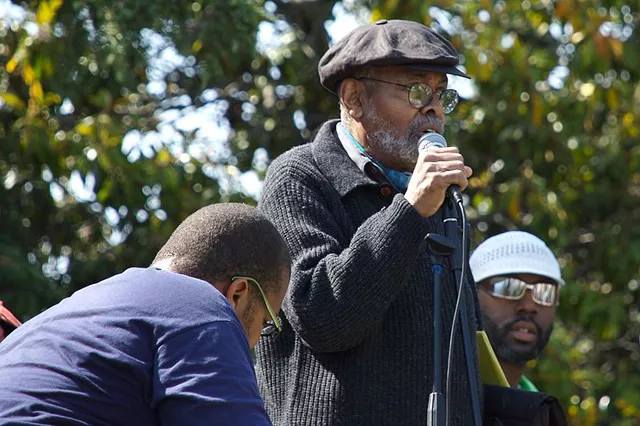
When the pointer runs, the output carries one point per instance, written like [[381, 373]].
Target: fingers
[[441, 160], [444, 149], [436, 170], [451, 177], [443, 166], [441, 154]]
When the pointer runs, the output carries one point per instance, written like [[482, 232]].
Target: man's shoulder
[[297, 158], [151, 295], [181, 294], [304, 161], [149, 283]]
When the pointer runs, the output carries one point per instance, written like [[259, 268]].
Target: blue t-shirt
[[146, 347]]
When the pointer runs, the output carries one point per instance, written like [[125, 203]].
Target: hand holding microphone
[[438, 168]]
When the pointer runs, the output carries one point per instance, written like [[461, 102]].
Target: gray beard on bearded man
[[403, 149]]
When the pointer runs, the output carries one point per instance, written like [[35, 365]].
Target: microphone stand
[[439, 248], [453, 232]]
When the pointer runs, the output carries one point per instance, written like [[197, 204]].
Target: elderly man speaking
[[354, 207]]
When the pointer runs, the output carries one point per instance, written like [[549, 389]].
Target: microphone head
[[431, 140]]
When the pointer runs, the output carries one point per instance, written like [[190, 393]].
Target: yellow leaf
[[18, 57], [13, 101], [47, 11], [35, 91], [11, 65], [84, 129], [163, 158], [376, 15], [28, 74], [51, 98], [105, 191], [197, 45], [536, 21]]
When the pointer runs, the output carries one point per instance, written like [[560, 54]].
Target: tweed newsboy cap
[[387, 42]]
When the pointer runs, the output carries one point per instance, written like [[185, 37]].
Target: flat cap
[[384, 43]]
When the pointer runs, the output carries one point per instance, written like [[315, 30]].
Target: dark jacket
[[356, 348]]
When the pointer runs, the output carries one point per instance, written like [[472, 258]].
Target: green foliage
[[550, 133], [96, 56], [100, 157]]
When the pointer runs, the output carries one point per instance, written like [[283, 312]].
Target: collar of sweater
[[336, 164]]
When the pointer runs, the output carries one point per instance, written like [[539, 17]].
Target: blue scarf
[[399, 179]]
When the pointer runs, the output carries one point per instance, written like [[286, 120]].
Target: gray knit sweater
[[356, 348]]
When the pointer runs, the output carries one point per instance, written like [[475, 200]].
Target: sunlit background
[[117, 120]]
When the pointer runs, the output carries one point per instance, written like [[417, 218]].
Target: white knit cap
[[514, 252]]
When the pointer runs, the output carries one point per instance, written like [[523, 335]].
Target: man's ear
[[239, 294], [352, 94]]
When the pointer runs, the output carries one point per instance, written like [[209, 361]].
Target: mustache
[[421, 120], [506, 328]]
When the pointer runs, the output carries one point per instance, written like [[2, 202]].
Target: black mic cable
[[456, 312]]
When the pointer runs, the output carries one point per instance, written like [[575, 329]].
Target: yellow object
[[490, 370]]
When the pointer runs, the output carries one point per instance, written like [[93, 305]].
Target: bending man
[[165, 345]]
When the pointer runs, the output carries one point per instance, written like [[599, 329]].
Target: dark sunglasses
[[421, 94], [510, 288]]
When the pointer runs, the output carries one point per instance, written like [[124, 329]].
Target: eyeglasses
[[270, 327], [421, 95], [545, 294]]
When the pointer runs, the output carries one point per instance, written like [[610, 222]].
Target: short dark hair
[[226, 239]]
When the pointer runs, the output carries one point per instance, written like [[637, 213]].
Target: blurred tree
[[118, 119], [73, 83], [551, 132]]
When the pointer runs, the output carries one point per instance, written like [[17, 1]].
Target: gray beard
[[403, 149], [503, 349]]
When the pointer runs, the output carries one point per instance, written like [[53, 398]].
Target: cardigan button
[[385, 191]]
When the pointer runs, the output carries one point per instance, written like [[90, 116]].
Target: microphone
[[436, 140]]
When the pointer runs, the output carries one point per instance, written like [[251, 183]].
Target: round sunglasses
[[421, 94]]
